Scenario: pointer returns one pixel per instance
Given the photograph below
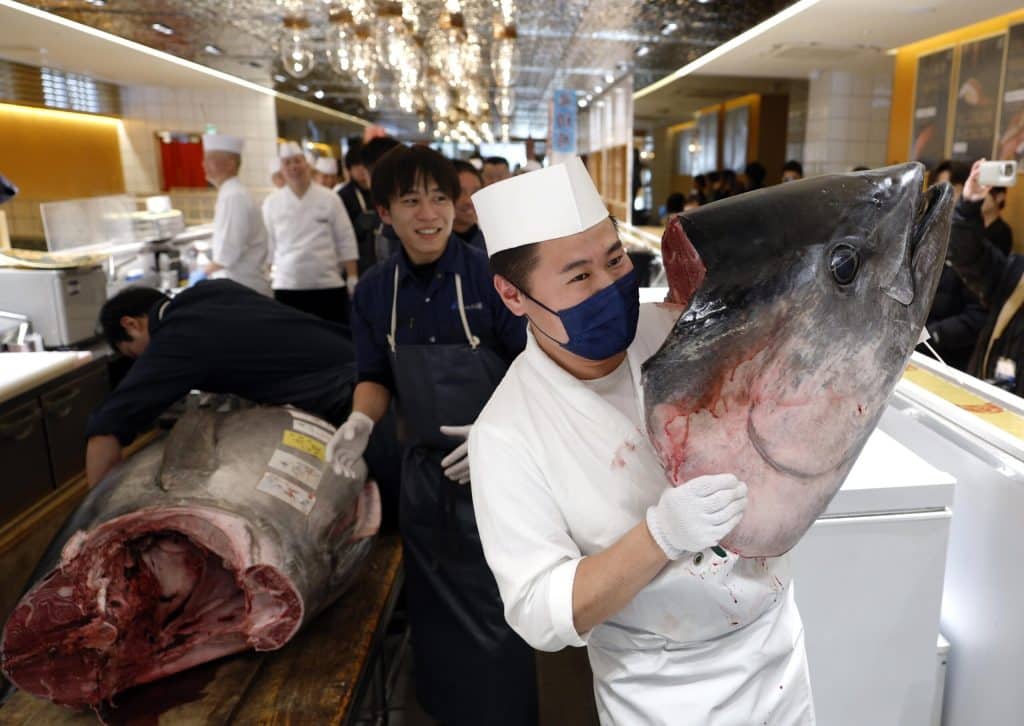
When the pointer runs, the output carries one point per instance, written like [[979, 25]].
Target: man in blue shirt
[[431, 331]]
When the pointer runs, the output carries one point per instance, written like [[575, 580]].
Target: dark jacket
[[223, 337], [1000, 234], [993, 276], [956, 319]]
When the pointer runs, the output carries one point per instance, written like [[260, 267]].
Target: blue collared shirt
[[428, 309]]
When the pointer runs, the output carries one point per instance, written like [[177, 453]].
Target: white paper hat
[[554, 202], [289, 149], [326, 165], [275, 165], [222, 142], [310, 158]]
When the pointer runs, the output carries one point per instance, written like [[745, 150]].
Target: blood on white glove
[[456, 464], [697, 514], [349, 442]]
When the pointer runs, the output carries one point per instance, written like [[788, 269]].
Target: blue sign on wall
[[563, 122]]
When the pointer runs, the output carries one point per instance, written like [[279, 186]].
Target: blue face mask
[[602, 325]]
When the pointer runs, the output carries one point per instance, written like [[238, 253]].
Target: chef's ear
[[133, 325], [511, 295], [384, 213]]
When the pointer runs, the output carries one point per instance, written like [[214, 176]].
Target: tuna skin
[[776, 371], [176, 559]]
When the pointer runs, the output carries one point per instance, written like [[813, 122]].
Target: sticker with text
[[294, 467], [304, 443], [287, 492], [310, 430]]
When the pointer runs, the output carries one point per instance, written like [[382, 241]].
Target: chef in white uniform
[[587, 541], [239, 239], [312, 244]]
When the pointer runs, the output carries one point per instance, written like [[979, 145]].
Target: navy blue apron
[[470, 666]]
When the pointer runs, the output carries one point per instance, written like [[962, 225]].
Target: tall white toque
[[222, 142], [289, 149], [558, 201]]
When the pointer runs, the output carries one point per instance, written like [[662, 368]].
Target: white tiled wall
[[147, 110], [847, 120]]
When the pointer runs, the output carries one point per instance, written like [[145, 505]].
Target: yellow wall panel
[[53, 155]]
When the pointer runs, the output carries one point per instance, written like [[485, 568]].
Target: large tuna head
[[801, 305]]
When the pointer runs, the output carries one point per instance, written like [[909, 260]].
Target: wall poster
[[1011, 128], [931, 107], [977, 99]]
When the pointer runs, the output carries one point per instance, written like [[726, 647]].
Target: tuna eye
[[844, 264]]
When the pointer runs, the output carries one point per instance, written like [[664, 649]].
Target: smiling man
[[588, 542], [431, 331]]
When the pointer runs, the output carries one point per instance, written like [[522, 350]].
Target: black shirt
[[1000, 234], [222, 337]]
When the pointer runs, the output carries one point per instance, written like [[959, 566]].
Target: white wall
[[848, 119], [147, 110]]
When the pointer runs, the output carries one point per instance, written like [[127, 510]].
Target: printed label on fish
[[296, 468], [287, 492], [310, 430], [304, 443], [296, 413]]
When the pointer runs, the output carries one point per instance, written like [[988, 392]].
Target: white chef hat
[[327, 165], [275, 165], [289, 149], [310, 158], [554, 202], [222, 142]]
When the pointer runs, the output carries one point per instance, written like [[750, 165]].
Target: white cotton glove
[[350, 284], [697, 514], [456, 464], [349, 442]]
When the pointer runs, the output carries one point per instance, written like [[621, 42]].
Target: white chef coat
[[560, 473], [310, 237], [239, 237]]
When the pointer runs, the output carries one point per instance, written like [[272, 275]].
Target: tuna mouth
[[929, 210], [683, 266]]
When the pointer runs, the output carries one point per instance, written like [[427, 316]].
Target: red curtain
[[182, 163]]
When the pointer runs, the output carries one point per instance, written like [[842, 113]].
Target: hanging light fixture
[[340, 38], [503, 50], [296, 55], [505, 102], [393, 37]]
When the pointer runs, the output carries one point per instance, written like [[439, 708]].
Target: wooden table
[[319, 677]]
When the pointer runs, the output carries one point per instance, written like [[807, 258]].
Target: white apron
[[560, 473]]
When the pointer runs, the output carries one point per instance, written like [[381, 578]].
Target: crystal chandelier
[[296, 54]]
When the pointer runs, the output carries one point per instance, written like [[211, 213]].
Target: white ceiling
[[42, 39], [846, 33]]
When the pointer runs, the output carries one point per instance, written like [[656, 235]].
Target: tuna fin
[[367, 513], [190, 452]]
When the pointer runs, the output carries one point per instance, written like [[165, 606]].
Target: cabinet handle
[[61, 405], [20, 428]]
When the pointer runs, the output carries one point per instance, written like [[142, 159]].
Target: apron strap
[[394, 312], [474, 342]]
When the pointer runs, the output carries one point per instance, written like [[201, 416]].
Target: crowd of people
[[725, 183]]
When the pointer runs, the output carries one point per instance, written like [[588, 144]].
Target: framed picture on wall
[[977, 98], [735, 137], [931, 107], [1010, 144]]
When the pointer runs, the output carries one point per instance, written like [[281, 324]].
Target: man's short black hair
[[674, 203], [495, 160], [793, 165], [134, 302], [401, 169], [354, 157], [959, 172], [517, 264], [994, 192], [756, 173], [372, 151], [464, 167]]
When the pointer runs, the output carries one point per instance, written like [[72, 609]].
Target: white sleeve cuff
[[560, 581]]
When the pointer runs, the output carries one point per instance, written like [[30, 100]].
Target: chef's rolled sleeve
[[525, 540], [344, 235]]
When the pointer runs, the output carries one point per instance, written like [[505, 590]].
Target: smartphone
[[998, 173]]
